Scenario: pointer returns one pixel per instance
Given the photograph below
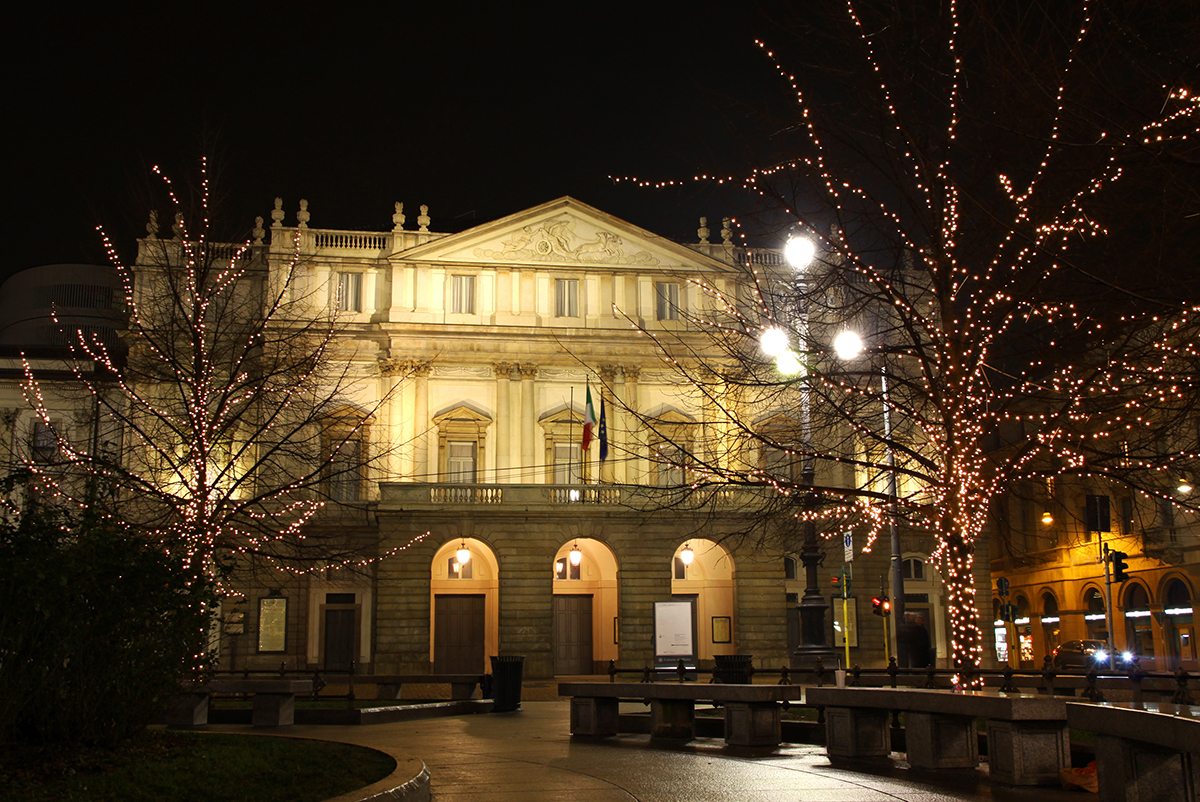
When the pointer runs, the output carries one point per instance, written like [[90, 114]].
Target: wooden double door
[[459, 631], [573, 634]]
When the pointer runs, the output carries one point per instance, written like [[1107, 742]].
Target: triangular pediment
[[563, 233]]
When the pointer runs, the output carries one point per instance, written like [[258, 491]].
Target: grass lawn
[[191, 767]]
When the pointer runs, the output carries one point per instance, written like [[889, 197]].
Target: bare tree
[[229, 413], [965, 172]]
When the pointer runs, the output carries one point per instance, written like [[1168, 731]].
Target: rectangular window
[[668, 300], [462, 295], [779, 463], [345, 472], [43, 448], [1126, 516], [670, 465], [566, 297], [460, 462], [568, 465], [349, 292], [272, 623]]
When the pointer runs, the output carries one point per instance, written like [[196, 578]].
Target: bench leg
[[857, 732], [673, 718], [274, 710], [387, 690], [937, 741], [191, 710], [752, 724], [462, 690], [1027, 752], [593, 716], [1128, 770]]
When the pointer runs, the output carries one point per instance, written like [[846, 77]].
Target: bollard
[[1182, 695], [1008, 686]]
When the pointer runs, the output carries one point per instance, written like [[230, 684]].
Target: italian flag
[[589, 420]]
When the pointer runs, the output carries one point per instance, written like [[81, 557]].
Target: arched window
[[1050, 622], [1139, 633], [913, 568], [1096, 617], [1178, 630]]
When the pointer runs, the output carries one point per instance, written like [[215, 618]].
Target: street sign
[[848, 548]]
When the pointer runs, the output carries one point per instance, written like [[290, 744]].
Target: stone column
[[422, 469], [634, 452], [503, 422], [529, 450], [391, 374], [608, 378]]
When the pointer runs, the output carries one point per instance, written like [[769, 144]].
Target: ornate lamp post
[[812, 609]]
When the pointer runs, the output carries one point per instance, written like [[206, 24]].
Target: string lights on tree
[[967, 211], [225, 420]]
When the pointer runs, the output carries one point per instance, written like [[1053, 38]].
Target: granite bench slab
[[1146, 751], [274, 700], [752, 712], [1028, 741]]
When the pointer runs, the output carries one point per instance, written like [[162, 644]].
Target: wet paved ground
[[529, 756]]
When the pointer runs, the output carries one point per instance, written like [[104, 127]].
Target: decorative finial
[[258, 233], [423, 218], [703, 231], [178, 226], [726, 232], [398, 218], [277, 215], [152, 225], [303, 216]]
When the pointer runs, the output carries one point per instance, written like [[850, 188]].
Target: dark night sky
[[478, 110]]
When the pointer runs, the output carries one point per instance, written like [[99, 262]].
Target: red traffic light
[[881, 605]]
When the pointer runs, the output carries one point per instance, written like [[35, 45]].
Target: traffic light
[[881, 605], [1119, 566]]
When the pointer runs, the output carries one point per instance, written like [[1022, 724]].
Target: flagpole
[[571, 450]]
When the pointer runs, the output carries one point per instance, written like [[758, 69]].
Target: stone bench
[[1027, 733], [1148, 751], [751, 711], [388, 686], [274, 700]]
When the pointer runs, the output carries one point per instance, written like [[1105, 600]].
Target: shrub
[[97, 628]]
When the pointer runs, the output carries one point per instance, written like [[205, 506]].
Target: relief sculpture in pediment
[[556, 241]]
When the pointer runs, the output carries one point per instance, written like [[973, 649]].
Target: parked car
[[1088, 653]]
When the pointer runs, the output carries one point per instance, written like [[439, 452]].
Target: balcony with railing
[[501, 497]]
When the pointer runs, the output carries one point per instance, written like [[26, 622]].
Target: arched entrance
[[585, 607], [1024, 627], [1095, 617], [1139, 627], [707, 580], [1050, 623], [464, 608], [1178, 629]]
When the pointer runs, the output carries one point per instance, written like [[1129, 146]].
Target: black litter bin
[[506, 681], [734, 669]]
